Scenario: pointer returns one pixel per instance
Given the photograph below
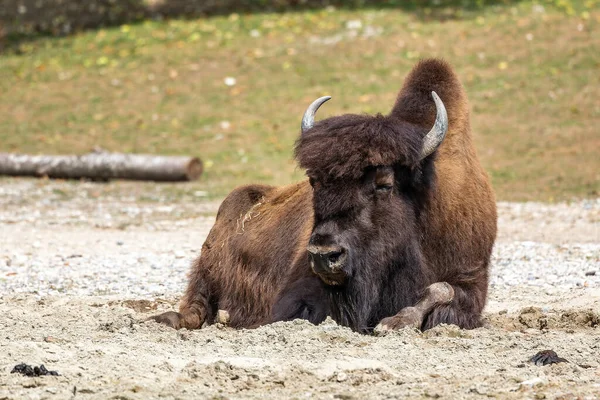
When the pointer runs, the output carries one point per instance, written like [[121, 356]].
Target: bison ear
[[414, 103]]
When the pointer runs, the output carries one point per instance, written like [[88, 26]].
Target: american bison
[[394, 226]]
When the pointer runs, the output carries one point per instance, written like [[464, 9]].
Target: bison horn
[[308, 120], [437, 134]]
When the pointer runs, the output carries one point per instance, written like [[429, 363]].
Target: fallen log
[[103, 166]]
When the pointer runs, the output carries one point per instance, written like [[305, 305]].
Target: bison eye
[[311, 181], [384, 188]]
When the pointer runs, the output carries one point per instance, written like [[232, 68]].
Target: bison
[[394, 226]]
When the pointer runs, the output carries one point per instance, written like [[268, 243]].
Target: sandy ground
[[104, 348]]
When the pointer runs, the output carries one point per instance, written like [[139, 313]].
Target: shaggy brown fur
[[405, 223]]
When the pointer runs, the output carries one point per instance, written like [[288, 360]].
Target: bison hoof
[[440, 293], [171, 318], [409, 316], [222, 317]]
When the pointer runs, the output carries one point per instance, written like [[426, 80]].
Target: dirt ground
[[104, 348]]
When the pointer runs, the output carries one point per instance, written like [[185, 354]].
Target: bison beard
[[394, 227]]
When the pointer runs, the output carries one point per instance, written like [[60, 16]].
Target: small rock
[[533, 382], [341, 377]]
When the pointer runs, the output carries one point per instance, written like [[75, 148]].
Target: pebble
[[537, 381], [341, 376]]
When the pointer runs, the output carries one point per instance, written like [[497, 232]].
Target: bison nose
[[329, 259]]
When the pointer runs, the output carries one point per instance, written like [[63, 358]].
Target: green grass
[[158, 87]]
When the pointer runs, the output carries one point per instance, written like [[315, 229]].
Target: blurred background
[[228, 81]]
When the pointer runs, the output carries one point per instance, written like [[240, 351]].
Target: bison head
[[370, 176]]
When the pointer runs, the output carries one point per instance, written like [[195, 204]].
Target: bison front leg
[[436, 295], [194, 308], [186, 318], [191, 315]]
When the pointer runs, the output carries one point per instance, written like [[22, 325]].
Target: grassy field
[[232, 89]]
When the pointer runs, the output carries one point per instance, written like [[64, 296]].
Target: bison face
[[368, 174], [359, 224]]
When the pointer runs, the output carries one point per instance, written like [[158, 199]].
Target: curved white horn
[[308, 120], [437, 134]]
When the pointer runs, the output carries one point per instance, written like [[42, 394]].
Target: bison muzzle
[[394, 226]]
